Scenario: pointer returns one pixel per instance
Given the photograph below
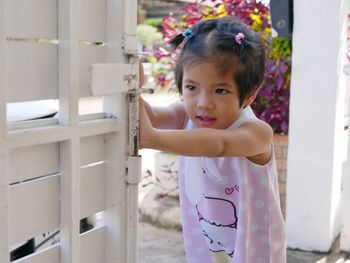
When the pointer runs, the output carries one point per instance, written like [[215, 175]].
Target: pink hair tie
[[238, 37]]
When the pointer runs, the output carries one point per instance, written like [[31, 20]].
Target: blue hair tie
[[188, 33]]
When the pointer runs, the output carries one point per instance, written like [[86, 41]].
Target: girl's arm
[[170, 117], [249, 140]]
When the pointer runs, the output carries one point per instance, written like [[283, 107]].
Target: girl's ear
[[250, 98]]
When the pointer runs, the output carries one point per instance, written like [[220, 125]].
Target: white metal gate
[[57, 171]]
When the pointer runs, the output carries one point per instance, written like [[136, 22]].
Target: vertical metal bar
[[68, 52], [115, 215], [4, 174], [70, 208], [133, 151], [121, 23], [134, 111], [130, 25]]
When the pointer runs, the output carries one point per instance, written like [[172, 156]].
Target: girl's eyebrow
[[223, 84], [187, 80]]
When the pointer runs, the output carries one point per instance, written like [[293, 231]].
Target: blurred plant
[[169, 173], [155, 22], [148, 35], [272, 104]]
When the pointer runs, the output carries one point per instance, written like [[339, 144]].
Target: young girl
[[227, 173]]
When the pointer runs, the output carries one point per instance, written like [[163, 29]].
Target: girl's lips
[[205, 120]]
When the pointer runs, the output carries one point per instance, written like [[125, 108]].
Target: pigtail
[[241, 41], [176, 41]]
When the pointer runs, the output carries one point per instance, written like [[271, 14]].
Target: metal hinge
[[133, 170]]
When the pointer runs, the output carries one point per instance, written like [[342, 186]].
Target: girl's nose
[[205, 102]]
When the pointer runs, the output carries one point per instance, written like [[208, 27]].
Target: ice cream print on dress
[[218, 220]]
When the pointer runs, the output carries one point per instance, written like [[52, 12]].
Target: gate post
[[316, 137], [345, 231]]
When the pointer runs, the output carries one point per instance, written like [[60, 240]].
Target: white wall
[[316, 124]]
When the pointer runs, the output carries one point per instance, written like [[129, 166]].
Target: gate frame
[[120, 215]]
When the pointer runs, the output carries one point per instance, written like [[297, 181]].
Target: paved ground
[[158, 245]]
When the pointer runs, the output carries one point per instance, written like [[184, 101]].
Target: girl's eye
[[191, 88], [221, 91]]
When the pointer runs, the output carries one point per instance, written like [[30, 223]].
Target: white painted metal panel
[[92, 246], [92, 149], [92, 190], [49, 255], [55, 133], [32, 71], [90, 128], [31, 162], [33, 208], [92, 116], [88, 55], [92, 20], [38, 135], [104, 76], [32, 124], [34, 68], [32, 19]]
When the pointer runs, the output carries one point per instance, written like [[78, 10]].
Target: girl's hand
[[146, 131], [141, 75]]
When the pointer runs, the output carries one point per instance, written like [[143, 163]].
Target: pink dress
[[235, 216]]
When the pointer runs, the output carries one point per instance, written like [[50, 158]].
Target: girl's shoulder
[[263, 134]]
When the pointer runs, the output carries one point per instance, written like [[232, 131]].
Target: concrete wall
[[316, 124]]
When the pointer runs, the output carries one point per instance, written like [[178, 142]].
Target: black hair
[[214, 40]]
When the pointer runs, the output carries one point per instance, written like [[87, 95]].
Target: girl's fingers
[[141, 74], [146, 130]]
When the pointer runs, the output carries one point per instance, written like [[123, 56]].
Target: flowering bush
[[272, 103], [148, 35]]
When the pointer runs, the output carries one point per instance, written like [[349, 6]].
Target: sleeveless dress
[[231, 208]]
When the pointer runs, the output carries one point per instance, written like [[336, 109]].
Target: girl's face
[[211, 99]]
